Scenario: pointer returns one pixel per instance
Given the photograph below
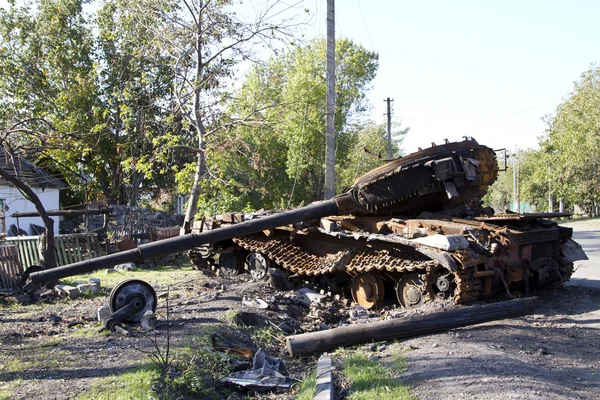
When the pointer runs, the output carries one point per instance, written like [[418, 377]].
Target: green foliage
[[273, 154], [307, 387], [572, 145], [530, 168], [372, 380]]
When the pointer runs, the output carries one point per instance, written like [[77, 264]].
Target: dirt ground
[[552, 354]]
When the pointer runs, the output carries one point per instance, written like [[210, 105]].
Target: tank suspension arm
[[187, 242]]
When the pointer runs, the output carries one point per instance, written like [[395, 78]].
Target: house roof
[[30, 173]]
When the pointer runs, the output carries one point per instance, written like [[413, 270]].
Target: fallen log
[[321, 341]]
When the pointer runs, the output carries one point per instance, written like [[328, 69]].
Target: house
[[45, 185]]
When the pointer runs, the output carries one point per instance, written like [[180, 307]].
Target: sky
[[486, 69]]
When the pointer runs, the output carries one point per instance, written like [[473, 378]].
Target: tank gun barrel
[[189, 241]]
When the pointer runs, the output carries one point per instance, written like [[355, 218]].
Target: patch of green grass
[[159, 276], [370, 380], [230, 318], [268, 336], [6, 389], [133, 384], [91, 331], [307, 387]]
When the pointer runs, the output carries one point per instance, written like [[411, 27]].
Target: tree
[[274, 156], [45, 56], [135, 86], [207, 41], [572, 143], [368, 150], [532, 183]]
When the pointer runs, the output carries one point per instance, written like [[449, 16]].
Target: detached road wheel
[[130, 290]]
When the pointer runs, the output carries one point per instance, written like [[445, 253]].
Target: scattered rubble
[[66, 290], [129, 266]]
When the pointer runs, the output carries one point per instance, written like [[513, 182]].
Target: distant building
[[45, 185]]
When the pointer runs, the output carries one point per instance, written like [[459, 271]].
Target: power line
[[483, 118], [365, 24]]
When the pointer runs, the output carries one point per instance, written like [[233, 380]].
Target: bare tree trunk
[[47, 259], [200, 130]]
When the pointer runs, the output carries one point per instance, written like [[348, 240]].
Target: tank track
[[350, 261], [353, 262], [468, 288]]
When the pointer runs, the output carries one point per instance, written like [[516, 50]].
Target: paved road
[[587, 272]]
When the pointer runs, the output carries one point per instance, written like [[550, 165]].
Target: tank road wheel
[[258, 265], [231, 264], [440, 283], [409, 291], [368, 290], [130, 290]]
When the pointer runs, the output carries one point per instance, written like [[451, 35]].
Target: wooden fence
[[10, 267], [68, 248]]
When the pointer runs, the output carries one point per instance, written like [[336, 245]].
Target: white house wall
[[17, 203]]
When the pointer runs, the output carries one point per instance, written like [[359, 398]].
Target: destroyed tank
[[413, 227]]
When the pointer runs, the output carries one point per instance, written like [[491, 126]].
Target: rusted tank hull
[[416, 259]]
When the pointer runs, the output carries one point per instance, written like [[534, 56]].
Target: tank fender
[[442, 257], [572, 251]]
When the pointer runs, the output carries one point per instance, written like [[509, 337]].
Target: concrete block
[[86, 287], [307, 297], [103, 312], [95, 282], [70, 291], [325, 389]]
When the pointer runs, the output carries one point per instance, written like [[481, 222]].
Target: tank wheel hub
[[443, 283], [368, 290], [133, 290], [409, 291], [231, 264], [258, 265], [440, 283]]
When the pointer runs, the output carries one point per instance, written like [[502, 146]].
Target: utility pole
[[514, 168], [389, 127], [330, 119]]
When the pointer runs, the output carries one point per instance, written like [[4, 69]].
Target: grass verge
[[307, 388], [134, 384], [370, 380]]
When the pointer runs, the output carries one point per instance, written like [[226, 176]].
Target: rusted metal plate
[[572, 251], [523, 216]]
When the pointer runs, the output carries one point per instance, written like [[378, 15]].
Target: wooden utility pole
[[389, 128], [330, 120]]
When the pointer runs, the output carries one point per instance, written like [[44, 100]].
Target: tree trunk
[[198, 123], [46, 250]]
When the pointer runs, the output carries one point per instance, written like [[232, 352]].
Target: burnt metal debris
[[413, 227]]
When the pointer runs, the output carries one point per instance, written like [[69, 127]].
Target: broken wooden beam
[[322, 341]]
